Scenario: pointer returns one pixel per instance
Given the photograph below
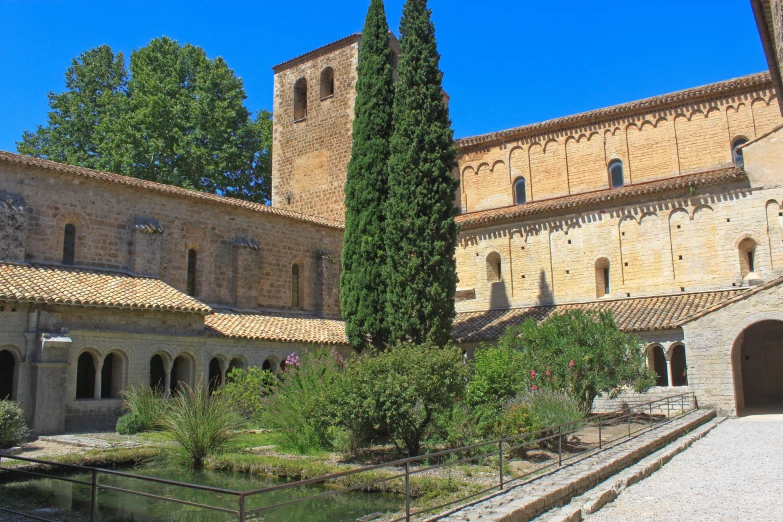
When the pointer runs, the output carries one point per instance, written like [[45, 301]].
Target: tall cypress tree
[[421, 234], [362, 288]]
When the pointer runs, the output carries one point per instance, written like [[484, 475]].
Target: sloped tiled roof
[[598, 198], [632, 315], [86, 287], [276, 326], [760, 80], [30, 161]]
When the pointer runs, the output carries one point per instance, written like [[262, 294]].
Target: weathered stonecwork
[[668, 212]]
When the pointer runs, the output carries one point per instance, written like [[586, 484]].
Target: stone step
[[535, 497], [593, 500]]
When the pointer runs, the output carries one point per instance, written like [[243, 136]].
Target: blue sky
[[506, 62]]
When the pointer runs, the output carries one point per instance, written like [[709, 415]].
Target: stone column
[[167, 385], [98, 380], [668, 354]]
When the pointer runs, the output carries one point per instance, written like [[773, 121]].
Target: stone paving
[[733, 473]]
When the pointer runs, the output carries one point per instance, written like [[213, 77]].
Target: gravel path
[[734, 473]]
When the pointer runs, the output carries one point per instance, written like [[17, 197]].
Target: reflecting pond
[[60, 500]]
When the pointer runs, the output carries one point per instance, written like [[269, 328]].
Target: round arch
[[183, 369], [10, 357], [757, 363], [86, 369], [114, 374]]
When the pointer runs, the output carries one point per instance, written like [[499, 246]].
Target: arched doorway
[[657, 363], [181, 372], [760, 359], [157, 374], [7, 371], [85, 376], [236, 363], [679, 366], [215, 375]]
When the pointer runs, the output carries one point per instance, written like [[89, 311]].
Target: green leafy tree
[[581, 353], [421, 234], [177, 118], [398, 392], [79, 130], [362, 289]]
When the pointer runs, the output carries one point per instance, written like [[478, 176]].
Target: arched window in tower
[[616, 173], [295, 298], [736, 152], [69, 244], [191, 285], [494, 268], [300, 99], [327, 83], [602, 281], [520, 196], [747, 256]]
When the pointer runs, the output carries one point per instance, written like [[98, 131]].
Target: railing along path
[[500, 449]]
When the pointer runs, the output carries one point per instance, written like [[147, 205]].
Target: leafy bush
[[247, 389], [398, 392], [13, 428], [201, 423], [495, 376], [580, 353], [129, 424], [145, 405], [300, 406]]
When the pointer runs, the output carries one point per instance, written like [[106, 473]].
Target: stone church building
[[667, 211]]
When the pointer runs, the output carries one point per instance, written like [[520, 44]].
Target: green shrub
[[580, 353], [398, 392], [13, 428], [495, 376], [201, 423], [129, 424], [300, 406], [145, 405], [247, 389]]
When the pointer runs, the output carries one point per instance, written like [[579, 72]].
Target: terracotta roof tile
[[632, 315], [598, 198], [87, 287], [277, 326], [30, 161], [760, 80]]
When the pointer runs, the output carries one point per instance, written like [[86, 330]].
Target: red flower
[[533, 374], [571, 364], [534, 387], [548, 373]]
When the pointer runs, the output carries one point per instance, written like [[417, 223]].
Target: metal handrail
[[527, 439]]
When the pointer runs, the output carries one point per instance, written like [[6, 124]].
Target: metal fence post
[[500, 461], [241, 507], [94, 496], [407, 492], [600, 438], [560, 445]]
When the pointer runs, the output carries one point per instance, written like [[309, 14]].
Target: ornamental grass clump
[[300, 406], [143, 409], [200, 423]]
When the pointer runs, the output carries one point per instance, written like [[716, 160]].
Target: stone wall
[[672, 140], [311, 153], [150, 232], [652, 246]]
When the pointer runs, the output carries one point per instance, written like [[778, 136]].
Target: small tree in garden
[[399, 391], [581, 353], [247, 388]]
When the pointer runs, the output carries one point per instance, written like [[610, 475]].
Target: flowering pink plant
[[293, 360], [534, 387], [533, 374], [571, 364]]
